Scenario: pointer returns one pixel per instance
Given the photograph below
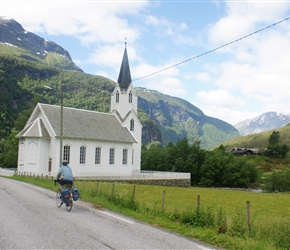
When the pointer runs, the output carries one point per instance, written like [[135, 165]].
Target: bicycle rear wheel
[[69, 205], [58, 198]]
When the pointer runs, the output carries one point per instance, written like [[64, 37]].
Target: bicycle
[[59, 199]]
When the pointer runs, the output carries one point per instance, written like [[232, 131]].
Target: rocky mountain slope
[[177, 118], [263, 122], [30, 62], [32, 47]]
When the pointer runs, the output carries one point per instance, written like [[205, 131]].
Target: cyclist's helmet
[[64, 163]]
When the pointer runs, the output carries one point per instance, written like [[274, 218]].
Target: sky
[[217, 55]]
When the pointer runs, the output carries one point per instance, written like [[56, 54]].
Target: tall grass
[[219, 217]]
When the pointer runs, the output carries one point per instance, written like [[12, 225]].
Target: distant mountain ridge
[[264, 122], [177, 118], [32, 47]]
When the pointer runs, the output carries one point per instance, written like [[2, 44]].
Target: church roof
[[84, 124], [35, 129], [124, 79]]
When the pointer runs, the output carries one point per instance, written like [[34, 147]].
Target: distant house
[[244, 151], [94, 143]]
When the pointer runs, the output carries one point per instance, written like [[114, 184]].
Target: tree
[[9, 145], [182, 148], [277, 182], [274, 138], [274, 149], [212, 169], [221, 169], [215, 168], [194, 162]]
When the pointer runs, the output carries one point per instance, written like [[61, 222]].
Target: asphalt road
[[30, 219]]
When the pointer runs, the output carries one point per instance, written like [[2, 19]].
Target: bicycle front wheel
[[58, 198]]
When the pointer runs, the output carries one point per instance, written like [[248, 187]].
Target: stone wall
[[158, 182], [144, 181]]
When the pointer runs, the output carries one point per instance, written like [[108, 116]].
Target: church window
[[132, 156], [117, 96], [112, 156], [130, 97], [132, 125], [98, 155], [66, 153], [83, 155], [125, 156]]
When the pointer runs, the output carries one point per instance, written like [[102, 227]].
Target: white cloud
[[168, 85], [202, 76], [222, 104], [267, 73], [90, 21], [167, 82], [229, 115], [166, 28], [243, 17], [220, 97], [111, 55], [255, 70]]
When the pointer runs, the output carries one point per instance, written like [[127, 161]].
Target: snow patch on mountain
[[264, 122]]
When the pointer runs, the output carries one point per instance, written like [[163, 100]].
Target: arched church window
[[125, 156], [112, 156], [98, 155], [132, 125], [66, 153], [130, 97], [83, 155], [117, 96]]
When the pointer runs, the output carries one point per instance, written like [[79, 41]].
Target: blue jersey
[[66, 173]]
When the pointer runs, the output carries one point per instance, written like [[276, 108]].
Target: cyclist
[[64, 175]]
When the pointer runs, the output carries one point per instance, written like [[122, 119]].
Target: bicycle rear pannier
[[75, 194], [65, 194]]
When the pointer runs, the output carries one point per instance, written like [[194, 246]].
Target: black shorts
[[63, 182]]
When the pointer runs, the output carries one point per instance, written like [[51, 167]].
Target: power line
[[210, 51]]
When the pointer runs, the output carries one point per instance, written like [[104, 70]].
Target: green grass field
[[221, 219]]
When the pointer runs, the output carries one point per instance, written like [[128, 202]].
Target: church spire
[[124, 79]]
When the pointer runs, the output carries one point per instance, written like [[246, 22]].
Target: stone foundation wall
[[158, 182], [144, 181]]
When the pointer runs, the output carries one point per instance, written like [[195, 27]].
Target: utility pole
[[61, 123], [61, 129]]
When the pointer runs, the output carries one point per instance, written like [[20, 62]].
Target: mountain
[[259, 140], [29, 46], [264, 122], [25, 70], [177, 118]]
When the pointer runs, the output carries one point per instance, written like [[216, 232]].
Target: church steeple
[[124, 79], [124, 99]]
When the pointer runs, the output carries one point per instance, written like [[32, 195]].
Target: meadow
[[229, 219]]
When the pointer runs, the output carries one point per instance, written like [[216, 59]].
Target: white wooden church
[[94, 143]]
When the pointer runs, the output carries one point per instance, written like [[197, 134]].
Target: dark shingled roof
[[124, 79], [85, 124]]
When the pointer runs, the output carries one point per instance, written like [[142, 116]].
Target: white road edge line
[[117, 217]]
